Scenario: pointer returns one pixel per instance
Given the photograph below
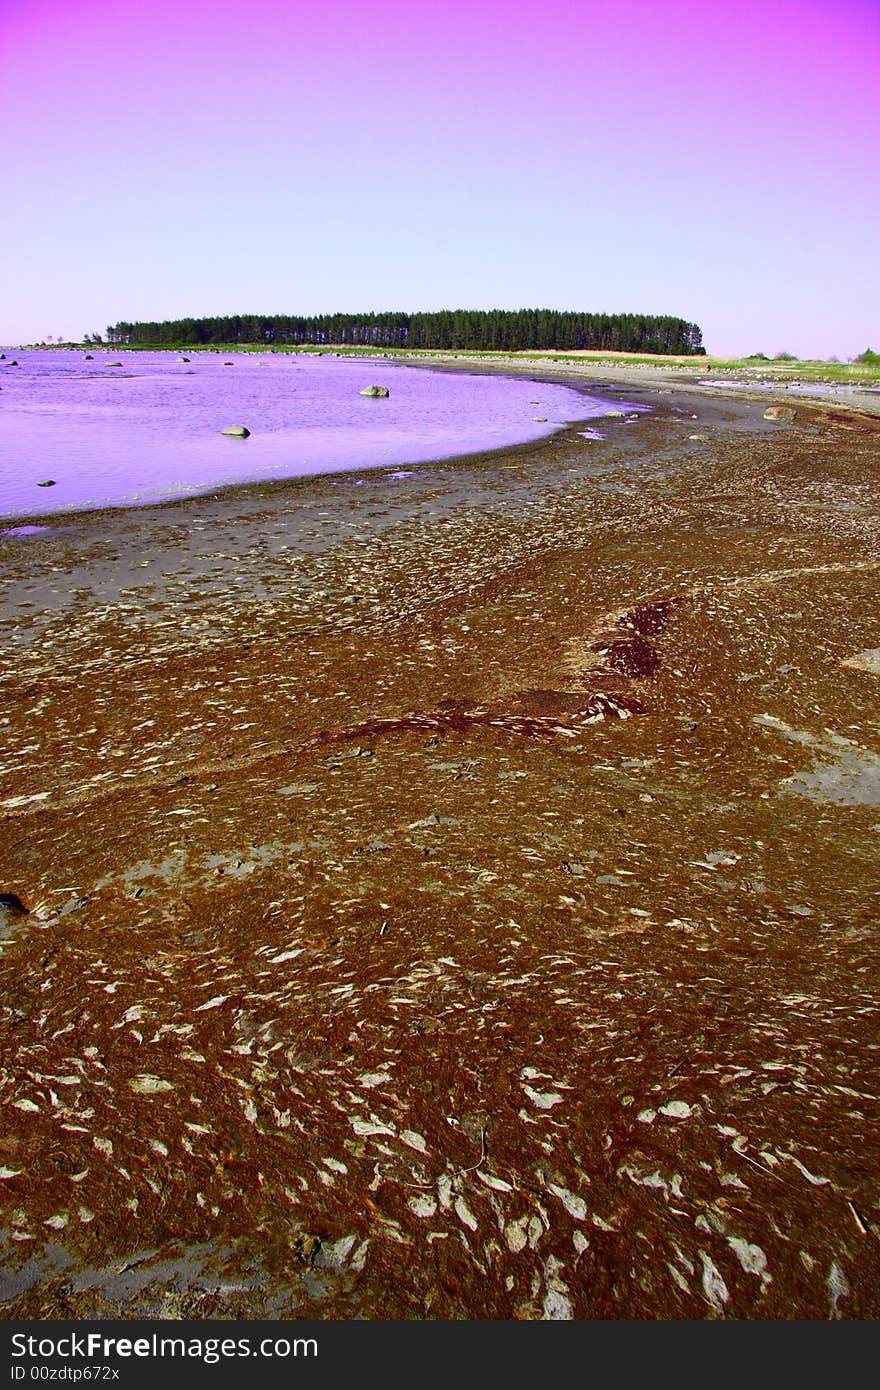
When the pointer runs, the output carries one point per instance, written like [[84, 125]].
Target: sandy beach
[[453, 894]]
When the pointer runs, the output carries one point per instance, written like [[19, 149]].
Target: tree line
[[493, 330]]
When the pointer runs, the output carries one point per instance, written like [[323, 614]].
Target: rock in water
[[375, 391], [183, 359], [237, 431], [47, 482], [779, 412]]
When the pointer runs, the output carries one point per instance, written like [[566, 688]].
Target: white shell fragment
[[146, 1085]]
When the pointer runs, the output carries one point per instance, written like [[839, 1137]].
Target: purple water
[[150, 429]]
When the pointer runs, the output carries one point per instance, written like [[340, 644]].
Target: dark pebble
[[13, 901]]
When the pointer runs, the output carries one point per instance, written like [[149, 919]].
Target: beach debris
[[838, 1287], [516, 1234], [236, 431], [414, 1140], [464, 1213], [714, 1287], [751, 1257], [574, 1205], [149, 1085], [423, 1206], [375, 391], [544, 1100]]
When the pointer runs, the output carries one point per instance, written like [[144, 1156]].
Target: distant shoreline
[[760, 372], [680, 373]]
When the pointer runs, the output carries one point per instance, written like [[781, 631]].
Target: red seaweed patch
[[547, 713], [649, 619], [632, 657], [571, 713], [624, 645]]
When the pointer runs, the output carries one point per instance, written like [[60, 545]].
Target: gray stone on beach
[[375, 391], [864, 661], [237, 431], [780, 412]]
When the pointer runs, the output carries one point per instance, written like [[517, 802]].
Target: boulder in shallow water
[[375, 391], [237, 431], [183, 359], [780, 412], [47, 482]]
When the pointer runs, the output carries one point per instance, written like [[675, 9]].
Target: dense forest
[[498, 330]]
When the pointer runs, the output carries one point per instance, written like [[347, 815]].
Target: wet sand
[[452, 895]]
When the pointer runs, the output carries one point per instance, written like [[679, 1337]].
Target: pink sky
[[172, 158]]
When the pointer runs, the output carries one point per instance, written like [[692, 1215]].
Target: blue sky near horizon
[[715, 163]]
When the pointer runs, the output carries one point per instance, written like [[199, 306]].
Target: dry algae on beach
[[454, 898]]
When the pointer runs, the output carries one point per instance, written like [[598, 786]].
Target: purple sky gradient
[[185, 157]]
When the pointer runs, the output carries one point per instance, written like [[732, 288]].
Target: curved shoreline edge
[[599, 380]]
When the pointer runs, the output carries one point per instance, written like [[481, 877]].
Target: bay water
[[150, 429]]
